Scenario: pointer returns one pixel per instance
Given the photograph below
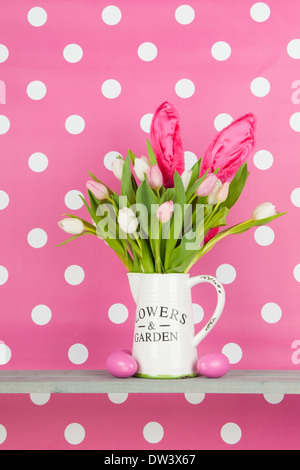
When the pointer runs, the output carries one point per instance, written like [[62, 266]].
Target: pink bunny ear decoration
[[230, 148], [166, 142]]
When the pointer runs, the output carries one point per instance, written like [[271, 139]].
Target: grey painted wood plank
[[93, 381]]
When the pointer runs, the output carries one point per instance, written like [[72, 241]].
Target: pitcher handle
[[193, 281]]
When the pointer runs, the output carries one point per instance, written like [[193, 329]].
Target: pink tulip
[[230, 148], [223, 192], [166, 142], [155, 177], [207, 185], [165, 211], [98, 189]]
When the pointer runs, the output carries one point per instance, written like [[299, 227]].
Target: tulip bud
[[206, 186], [165, 211], [185, 177], [127, 220], [223, 192], [140, 167], [155, 177], [72, 226], [212, 197], [117, 168], [264, 210], [99, 190]]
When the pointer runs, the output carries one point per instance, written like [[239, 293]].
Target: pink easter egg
[[213, 365], [126, 351], [121, 364]]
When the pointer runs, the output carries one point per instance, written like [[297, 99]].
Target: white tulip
[[127, 220], [264, 210], [186, 177], [72, 226], [140, 167], [117, 168], [212, 197]]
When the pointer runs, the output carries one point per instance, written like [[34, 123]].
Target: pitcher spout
[[134, 283]]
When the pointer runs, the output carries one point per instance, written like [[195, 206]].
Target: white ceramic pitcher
[[165, 343]]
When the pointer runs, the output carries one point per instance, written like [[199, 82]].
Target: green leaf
[[177, 220], [127, 183], [195, 173], [168, 195], [192, 188], [183, 254], [74, 238], [151, 154], [132, 156], [236, 186], [236, 229], [219, 218], [179, 192], [147, 199]]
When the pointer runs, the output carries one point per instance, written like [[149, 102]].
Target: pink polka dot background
[[79, 83]]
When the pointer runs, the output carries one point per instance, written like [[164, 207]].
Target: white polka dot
[[184, 14], [185, 88], [260, 12], [226, 273], [294, 122], [109, 158], [4, 200], [72, 199], [147, 51], [78, 354], [194, 398], [118, 313], [5, 353], [293, 49], [40, 398], [198, 313], [233, 352], [264, 235], [222, 120], [38, 162], [274, 398], [4, 124], [75, 124], [3, 434], [117, 398], [41, 314], [295, 197], [189, 160], [111, 88], [74, 433], [3, 53], [296, 272], [271, 312], [36, 90], [111, 15], [221, 50], [3, 275], [260, 86], [263, 159], [73, 53], [153, 432], [231, 433], [145, 122], [37, 238], [74, 275], [37, 16]]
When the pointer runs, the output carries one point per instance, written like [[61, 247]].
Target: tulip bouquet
[[165, 217]]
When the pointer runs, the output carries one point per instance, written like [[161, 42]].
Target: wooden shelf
[[100, 381]]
